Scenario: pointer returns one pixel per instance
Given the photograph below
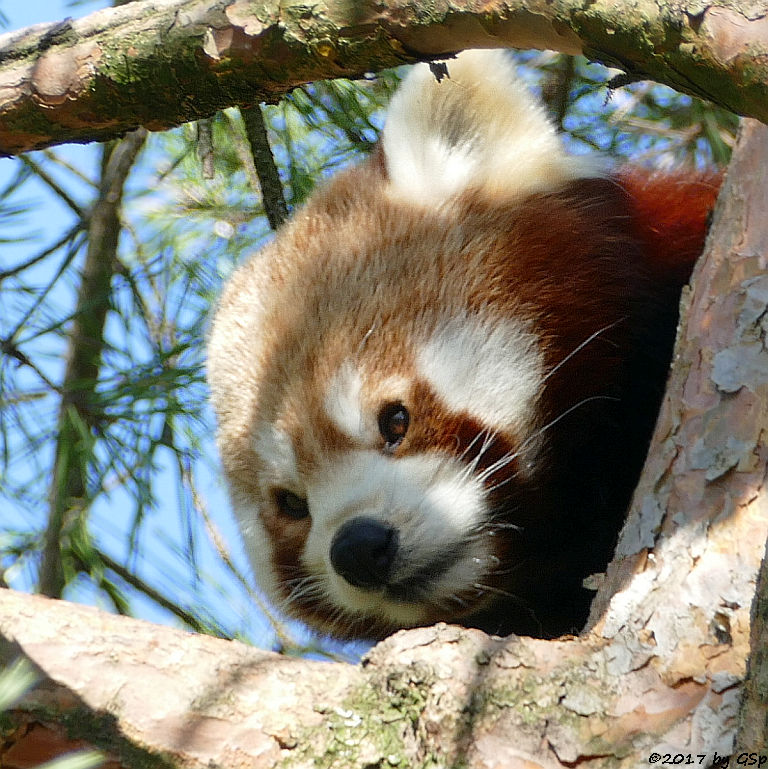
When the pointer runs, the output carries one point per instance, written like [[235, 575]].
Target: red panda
[[435, 388]]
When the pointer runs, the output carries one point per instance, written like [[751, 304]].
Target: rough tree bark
[[158, 63], [660, 671]]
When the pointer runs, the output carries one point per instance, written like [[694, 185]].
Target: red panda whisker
[[301, 584], [569, 410], [487, 442], [505, 460], [470, 469], [581, 346], [501, 525], [308, 587], [478, 535], [346, 624], [551, 424], [499, 464], [340, 618], [450, 601], [505, 569], [503, 482], [498, 591], [514, 568], [287, 566], [302, 581]]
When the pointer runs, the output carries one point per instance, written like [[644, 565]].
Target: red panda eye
[[393, 424], [290, 504]]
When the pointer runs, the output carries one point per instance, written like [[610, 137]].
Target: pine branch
[[86, 341], [269, 181]]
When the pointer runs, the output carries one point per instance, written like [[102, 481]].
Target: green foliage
[[142, 533], [82, 759], [15, 681], [642, 123]]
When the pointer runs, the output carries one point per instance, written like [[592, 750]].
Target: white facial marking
[[353, 411], [275, 450], [434, 505], [255, 537], [491, 369], [343, 402]]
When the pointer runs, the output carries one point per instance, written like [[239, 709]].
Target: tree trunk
[[658, 675], [159, 63]]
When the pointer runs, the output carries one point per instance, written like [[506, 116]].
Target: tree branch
[[753, 715], [159, 63], [264, 163]]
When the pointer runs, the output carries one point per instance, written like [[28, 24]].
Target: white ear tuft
[[478, 128]]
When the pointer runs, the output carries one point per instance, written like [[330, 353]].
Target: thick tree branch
[[159, 63]]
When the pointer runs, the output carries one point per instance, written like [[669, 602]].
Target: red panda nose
[[362, 552]]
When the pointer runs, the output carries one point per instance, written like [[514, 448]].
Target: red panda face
[[390, 471], [434, 388], [383, 410]]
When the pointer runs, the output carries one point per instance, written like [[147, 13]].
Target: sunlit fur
[[520, 305]]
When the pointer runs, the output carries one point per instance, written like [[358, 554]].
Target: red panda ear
[[476, 128]]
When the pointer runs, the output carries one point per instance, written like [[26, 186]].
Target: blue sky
[[163, 533], [21, 13]]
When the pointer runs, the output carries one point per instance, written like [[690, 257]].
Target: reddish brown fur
[[579, 262], [669, 214], [600, 259]]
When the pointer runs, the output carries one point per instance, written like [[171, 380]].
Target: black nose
[[362, 552]]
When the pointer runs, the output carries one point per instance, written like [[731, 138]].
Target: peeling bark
[[159, 63], [660, 671], [753, 716]]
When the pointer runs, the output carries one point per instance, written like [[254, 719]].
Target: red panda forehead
[[353, 222]]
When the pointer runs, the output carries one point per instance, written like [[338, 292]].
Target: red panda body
[[435, 389]]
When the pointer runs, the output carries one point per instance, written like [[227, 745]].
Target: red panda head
[[429, 384]]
